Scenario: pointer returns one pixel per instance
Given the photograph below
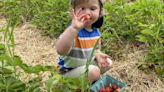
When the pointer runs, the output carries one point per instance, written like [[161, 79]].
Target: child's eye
[[82, 8], [93, 8]]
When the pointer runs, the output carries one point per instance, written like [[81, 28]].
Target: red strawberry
[[86, 17], [108, 89], [102, 90], [118, 90], [114, 87]]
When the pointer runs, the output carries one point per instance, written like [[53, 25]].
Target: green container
[[104, 81]]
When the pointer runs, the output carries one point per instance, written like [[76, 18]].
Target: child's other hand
[[103, 60], [79, 20]]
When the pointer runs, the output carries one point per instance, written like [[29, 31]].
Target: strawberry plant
[[10, 79], [50, 15], [11, 84], [139, 21]]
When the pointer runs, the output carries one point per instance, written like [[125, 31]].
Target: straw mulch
[[35, 49]]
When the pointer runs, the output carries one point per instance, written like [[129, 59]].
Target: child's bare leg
[[94, 73]]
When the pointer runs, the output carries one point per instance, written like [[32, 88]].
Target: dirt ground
[[36, 49]]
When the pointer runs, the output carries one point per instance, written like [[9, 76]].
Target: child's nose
[[88, 12]]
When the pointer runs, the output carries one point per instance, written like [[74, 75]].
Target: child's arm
[[64, 44]]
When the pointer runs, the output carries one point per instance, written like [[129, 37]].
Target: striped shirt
[[81, 49]]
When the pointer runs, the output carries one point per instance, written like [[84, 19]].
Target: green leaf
[[2, 49], [161, 40], [148, 32], [13, 84], [17, 84], [34, 87], [159, 71], [53, 81], [48, 68], [17, 61], [71, 86], [36, 90], [5, 57], [142, 38], [5, 71], [142, 25]]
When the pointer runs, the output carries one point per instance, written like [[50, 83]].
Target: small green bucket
[[104, 81]]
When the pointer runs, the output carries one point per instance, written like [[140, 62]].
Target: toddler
[[76, 43]]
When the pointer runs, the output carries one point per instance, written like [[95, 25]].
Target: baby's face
[[91, 8]]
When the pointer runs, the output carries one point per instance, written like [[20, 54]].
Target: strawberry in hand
[[86, 17], [80, 20]]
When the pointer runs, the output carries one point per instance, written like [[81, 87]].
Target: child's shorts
[[76, 72]]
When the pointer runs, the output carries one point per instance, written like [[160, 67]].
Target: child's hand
[[103, 60], [79, 20]]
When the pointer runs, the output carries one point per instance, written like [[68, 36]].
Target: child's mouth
[[87, 22], [87, 19]]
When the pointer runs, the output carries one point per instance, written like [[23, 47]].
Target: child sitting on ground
[[77, 41]]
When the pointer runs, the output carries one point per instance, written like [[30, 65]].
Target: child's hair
[[99, 22]]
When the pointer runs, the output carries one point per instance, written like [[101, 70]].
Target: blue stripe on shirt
[[94, 33]]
